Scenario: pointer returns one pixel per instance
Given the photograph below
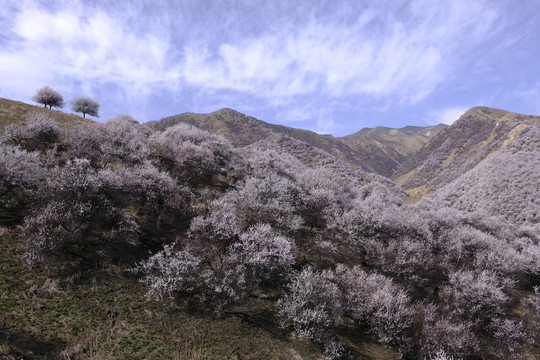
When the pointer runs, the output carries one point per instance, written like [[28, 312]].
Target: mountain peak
[[228, 111], [487, 113]]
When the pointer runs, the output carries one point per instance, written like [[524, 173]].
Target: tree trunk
[[83, 115]]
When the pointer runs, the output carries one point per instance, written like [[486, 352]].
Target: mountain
[[392, 146], [380, 150], [476, 135], [505, 183]]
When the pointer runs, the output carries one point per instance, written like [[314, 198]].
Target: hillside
[[459, 148], [504, 184], [378, 150], [86, 304], [309, 155], [14, 112], [122, 243], [404, 141]]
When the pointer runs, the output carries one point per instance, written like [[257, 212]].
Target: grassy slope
[[13, 112], [453, 151]]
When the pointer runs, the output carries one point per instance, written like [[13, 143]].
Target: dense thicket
[[338, 258]]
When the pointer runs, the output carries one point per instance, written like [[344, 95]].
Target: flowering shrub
[[327, 249], [192, 154], [40, 132]]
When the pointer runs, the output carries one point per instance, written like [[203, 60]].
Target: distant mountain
[[380, 150], [475, 136], [393, 146]]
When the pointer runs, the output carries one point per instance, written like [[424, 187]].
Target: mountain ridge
[[380, 155], [478, 133], [370, 149]]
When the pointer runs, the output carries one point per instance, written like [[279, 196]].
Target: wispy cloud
[[74, 45], [318, 114], [382, 53], [527, 94], [293, 61]]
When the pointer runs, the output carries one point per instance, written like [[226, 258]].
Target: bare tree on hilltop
[[47, 96], [85, 105]]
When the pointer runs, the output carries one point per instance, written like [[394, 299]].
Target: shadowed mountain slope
[[380, 150], [457, 149]]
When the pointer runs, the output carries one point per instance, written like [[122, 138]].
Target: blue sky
[[328, 66]]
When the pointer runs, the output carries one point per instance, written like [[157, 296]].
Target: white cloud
[[403, 51], [326, 125], [447, 116], [303, 58], [306, 111], [72, 45], [381, 54]]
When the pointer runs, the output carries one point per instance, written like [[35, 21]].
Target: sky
[[333, 67]]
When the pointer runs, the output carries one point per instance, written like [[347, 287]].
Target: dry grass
[[14, 112], [61, 313]]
